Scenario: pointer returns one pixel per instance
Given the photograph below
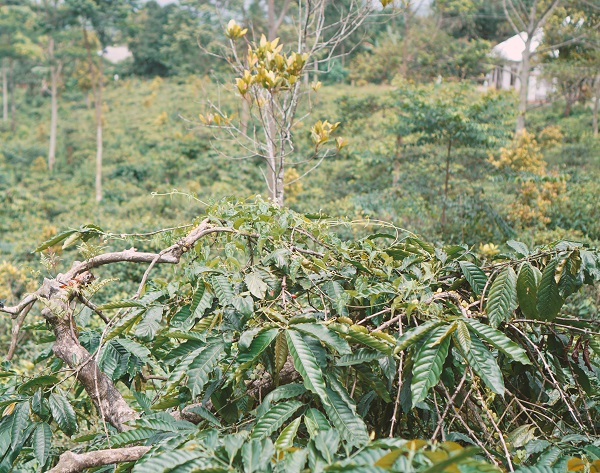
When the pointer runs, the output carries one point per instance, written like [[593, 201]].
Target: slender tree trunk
[[13, 98], [398, 155], [596, 105], [96, 79], [272, 170], [4, 92], [98, 104], [55, 69], [524, 80], [446, 185]]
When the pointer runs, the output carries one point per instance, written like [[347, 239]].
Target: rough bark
[[70, 462], [59, 299]]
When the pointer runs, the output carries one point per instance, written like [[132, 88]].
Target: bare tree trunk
[[55, 70], [13, 99], [446, 185], [596, 105], [4, 92], [524, 80], [98, 105]]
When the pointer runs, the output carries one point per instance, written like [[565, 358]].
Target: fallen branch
[[70, 462]]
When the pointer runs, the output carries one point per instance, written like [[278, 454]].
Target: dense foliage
[[275, 344]]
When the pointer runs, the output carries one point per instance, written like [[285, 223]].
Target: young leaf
[[287, 436], [476, 277], [499, 341], [502, 298], [527, 288], [428, 362]]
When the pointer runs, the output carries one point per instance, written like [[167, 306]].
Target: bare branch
[[70, 462]]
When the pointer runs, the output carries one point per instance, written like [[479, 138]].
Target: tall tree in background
[[99, 19], [54, 17], [527, 19]]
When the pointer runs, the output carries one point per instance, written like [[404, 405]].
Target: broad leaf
[[474, 275], [42, 437], [306, 364], [484, 364], [427, 364], [502, 297], [274, 419], [527, 289], [499, 341], [63, 413], [549, 301], [328, 337]]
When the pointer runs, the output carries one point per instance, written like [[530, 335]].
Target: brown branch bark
[[70, 462]]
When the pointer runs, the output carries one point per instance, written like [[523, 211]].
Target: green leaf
[[315, 421], [362, 355], [151, 321], [54, 240], [484, 364], [258, 345], [412, 336], [427, 364], [339, 298], [256, 286], [46, 380], [256, 455], [571, 278], [328, 337], [361, 337], [527, 289], [499, 341], [120, 305], [131, 436], [476, 277], [549, 301], [20, 422], [202, 366], [205, 414], [457, 458], [287, 436], [306, 364], [165, 461], [502, 298], [350, 425], [41, 443], [274, 418], [222, 289], [519, 247], [202, 300], [463, 336], [63, 413]]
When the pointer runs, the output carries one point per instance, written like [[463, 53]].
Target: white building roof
[[512, 49], [115, 54]]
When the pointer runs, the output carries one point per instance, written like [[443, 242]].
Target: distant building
[[115, 54], [508, 56]]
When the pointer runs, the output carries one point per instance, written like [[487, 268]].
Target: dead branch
[[70, 462]]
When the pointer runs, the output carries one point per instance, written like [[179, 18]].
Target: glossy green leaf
[[328, 337], [259, 344], [549, 301], [527, 289], [41, 442], [63, 413], [427, 364], [502, 297], [474, 275], [412, 336], [350, 426], [287, 436], [306, 364], [274, 418], [484, 364], [202, 366], [499, 341]]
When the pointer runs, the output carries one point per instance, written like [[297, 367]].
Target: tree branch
[[70, 462]]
